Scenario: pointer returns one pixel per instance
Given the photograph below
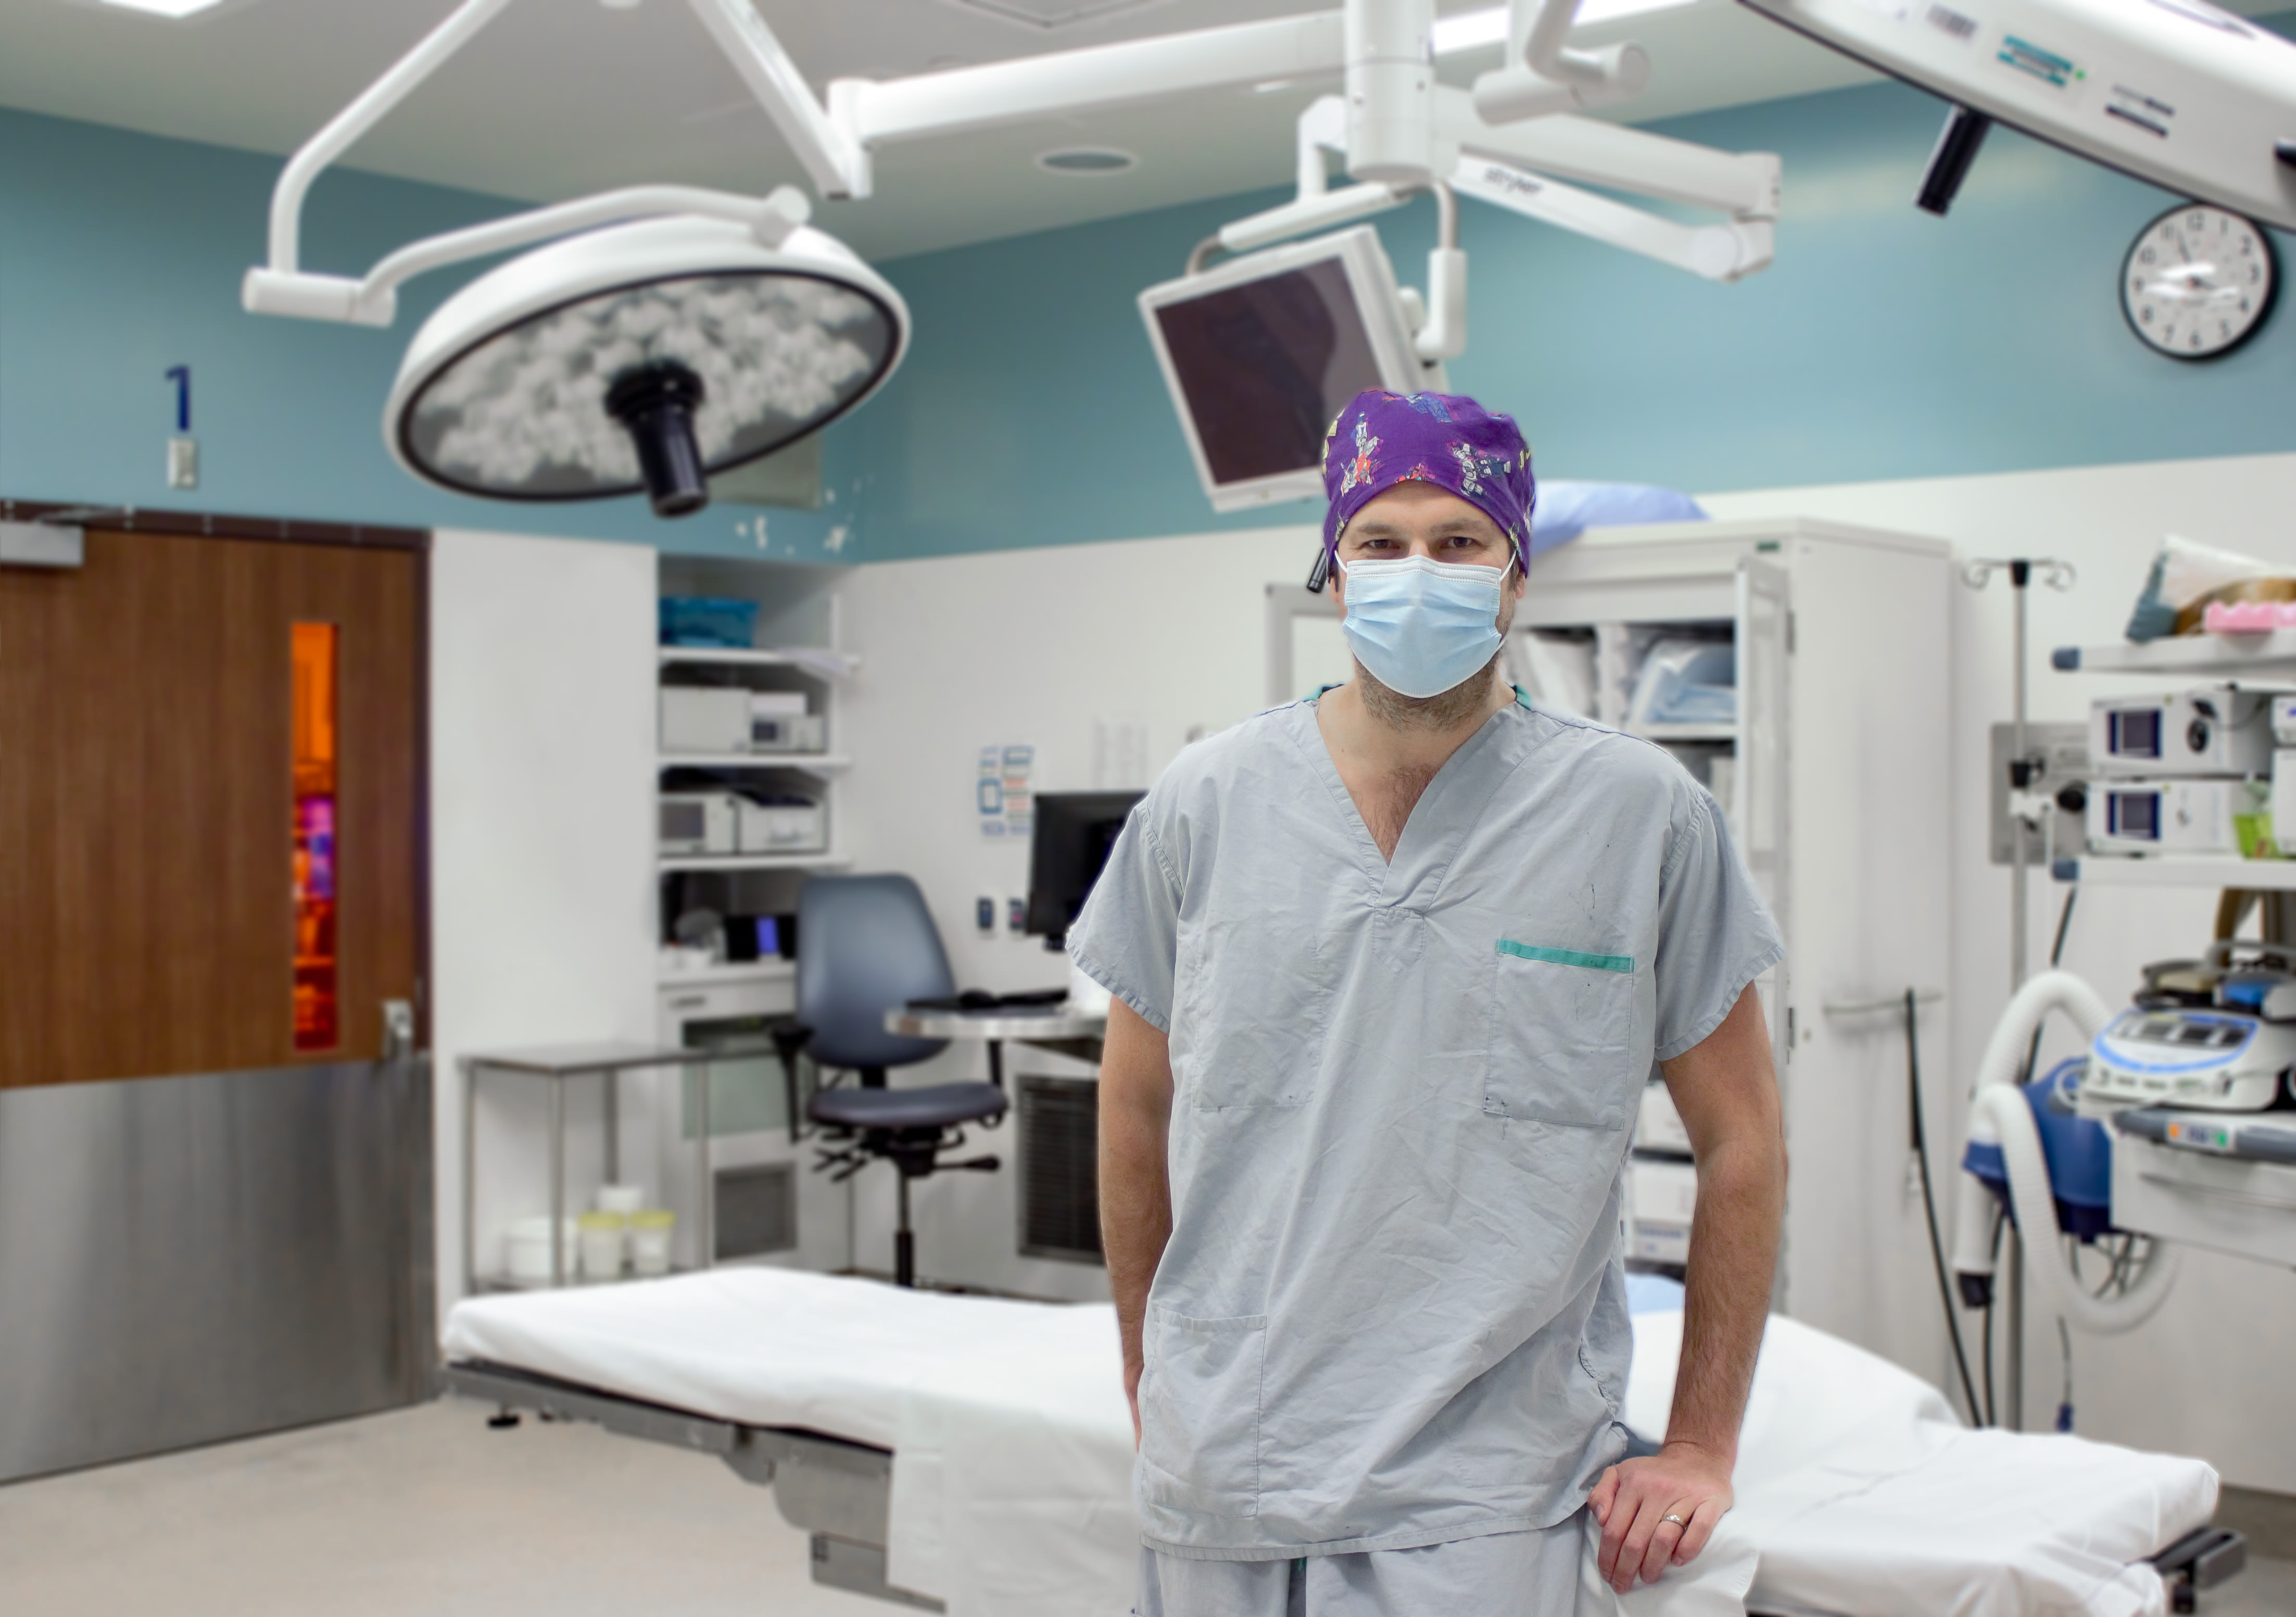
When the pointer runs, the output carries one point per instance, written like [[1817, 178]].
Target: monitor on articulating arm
[[1262, 352], [2195, 100]]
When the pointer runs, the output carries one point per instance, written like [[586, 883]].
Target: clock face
[[2198, 281]]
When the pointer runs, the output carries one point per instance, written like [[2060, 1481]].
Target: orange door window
[[317, 1015]]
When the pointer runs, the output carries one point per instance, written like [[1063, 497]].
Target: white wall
[[2229, 1320], [542, 759]]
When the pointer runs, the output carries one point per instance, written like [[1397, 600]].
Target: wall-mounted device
[[705, 718], [2211, 729], [695, 823], [2171, 816]]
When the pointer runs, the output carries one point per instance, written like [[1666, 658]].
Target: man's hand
[[1658, 1512]]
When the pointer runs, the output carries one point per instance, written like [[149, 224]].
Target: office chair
[[867, 945]]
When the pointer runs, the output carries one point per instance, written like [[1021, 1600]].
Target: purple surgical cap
[[1382, 438]]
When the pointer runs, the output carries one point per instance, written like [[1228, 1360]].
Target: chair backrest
[[865, 945]]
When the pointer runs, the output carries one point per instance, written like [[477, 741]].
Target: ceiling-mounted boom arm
[[283, 287]]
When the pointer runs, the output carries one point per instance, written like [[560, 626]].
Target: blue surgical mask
[[1422, 626]]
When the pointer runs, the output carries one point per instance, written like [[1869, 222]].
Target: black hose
[[1991, 1418], [1929, 1201]]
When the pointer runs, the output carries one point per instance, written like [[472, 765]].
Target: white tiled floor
[[428, 1512], [423, 1510]]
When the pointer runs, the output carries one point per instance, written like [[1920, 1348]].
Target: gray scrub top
[[1392, 1312]]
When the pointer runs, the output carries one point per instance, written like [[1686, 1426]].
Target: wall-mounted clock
[[2198, 281]]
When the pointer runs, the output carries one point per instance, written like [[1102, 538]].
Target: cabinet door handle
[[689, 1001]]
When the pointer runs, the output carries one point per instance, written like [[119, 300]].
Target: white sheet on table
[[1012, 1446], [1867, 1495], [764, 1347]]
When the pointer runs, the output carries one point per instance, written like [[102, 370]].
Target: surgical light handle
[[1999, 1114]]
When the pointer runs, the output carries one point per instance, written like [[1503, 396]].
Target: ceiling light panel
[[175, 11], [1475, 30]]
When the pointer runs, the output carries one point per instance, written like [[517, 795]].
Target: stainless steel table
[[1052, 1026], [556, 1065]]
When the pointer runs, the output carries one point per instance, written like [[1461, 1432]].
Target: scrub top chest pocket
[[1563, 1035]]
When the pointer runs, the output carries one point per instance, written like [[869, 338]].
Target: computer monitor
[[1074, 831], [1261, 353]]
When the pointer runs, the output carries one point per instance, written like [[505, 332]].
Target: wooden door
[[150, 803]]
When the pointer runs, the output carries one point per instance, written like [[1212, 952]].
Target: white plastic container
[[526, 1250], [651, 1229], [603, 1241]]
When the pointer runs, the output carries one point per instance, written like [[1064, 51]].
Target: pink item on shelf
[[2248, 617]]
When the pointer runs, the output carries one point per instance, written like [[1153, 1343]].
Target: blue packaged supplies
[[710, 621]]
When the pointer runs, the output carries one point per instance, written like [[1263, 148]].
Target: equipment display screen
[[1265, 367], [2137, 733], [2134, 814]]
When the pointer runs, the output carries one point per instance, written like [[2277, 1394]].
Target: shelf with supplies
[[674, 863], [812, 660], [1726, 733], [2187, 656], [721, 976], [2175, 870], [810, 763]]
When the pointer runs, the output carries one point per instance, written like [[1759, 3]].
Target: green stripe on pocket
[[1566, 956]]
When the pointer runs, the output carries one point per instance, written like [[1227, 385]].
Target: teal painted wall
[[120, 255], [1883, 343]]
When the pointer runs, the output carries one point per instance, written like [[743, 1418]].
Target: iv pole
[[2024, 768]]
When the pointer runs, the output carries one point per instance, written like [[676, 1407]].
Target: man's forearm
[[1136, 1194], [1734, 1249]]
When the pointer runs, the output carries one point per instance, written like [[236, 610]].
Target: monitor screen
[[1265, 367], [1069, 845]]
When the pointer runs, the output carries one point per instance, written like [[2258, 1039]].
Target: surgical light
[[650, 355]]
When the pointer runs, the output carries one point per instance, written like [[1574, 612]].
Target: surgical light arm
[[283, 287]]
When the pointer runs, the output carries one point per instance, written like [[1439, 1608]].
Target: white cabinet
[[1832, 766]]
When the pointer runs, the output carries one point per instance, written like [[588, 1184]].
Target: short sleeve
[[1715, 934], [1128, 938]]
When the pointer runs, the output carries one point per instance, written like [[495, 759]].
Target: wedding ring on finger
[[1670, 1516]]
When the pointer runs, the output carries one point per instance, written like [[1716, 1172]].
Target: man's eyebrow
[[1481, 526]]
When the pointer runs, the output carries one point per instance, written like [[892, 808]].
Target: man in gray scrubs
[[1390, 966]]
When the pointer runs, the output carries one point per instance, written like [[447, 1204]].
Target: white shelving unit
[[809, 763], [2270, 657], [721, 976], [2192, 870], [757, 861], [732, 1005], [2198, 656]]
